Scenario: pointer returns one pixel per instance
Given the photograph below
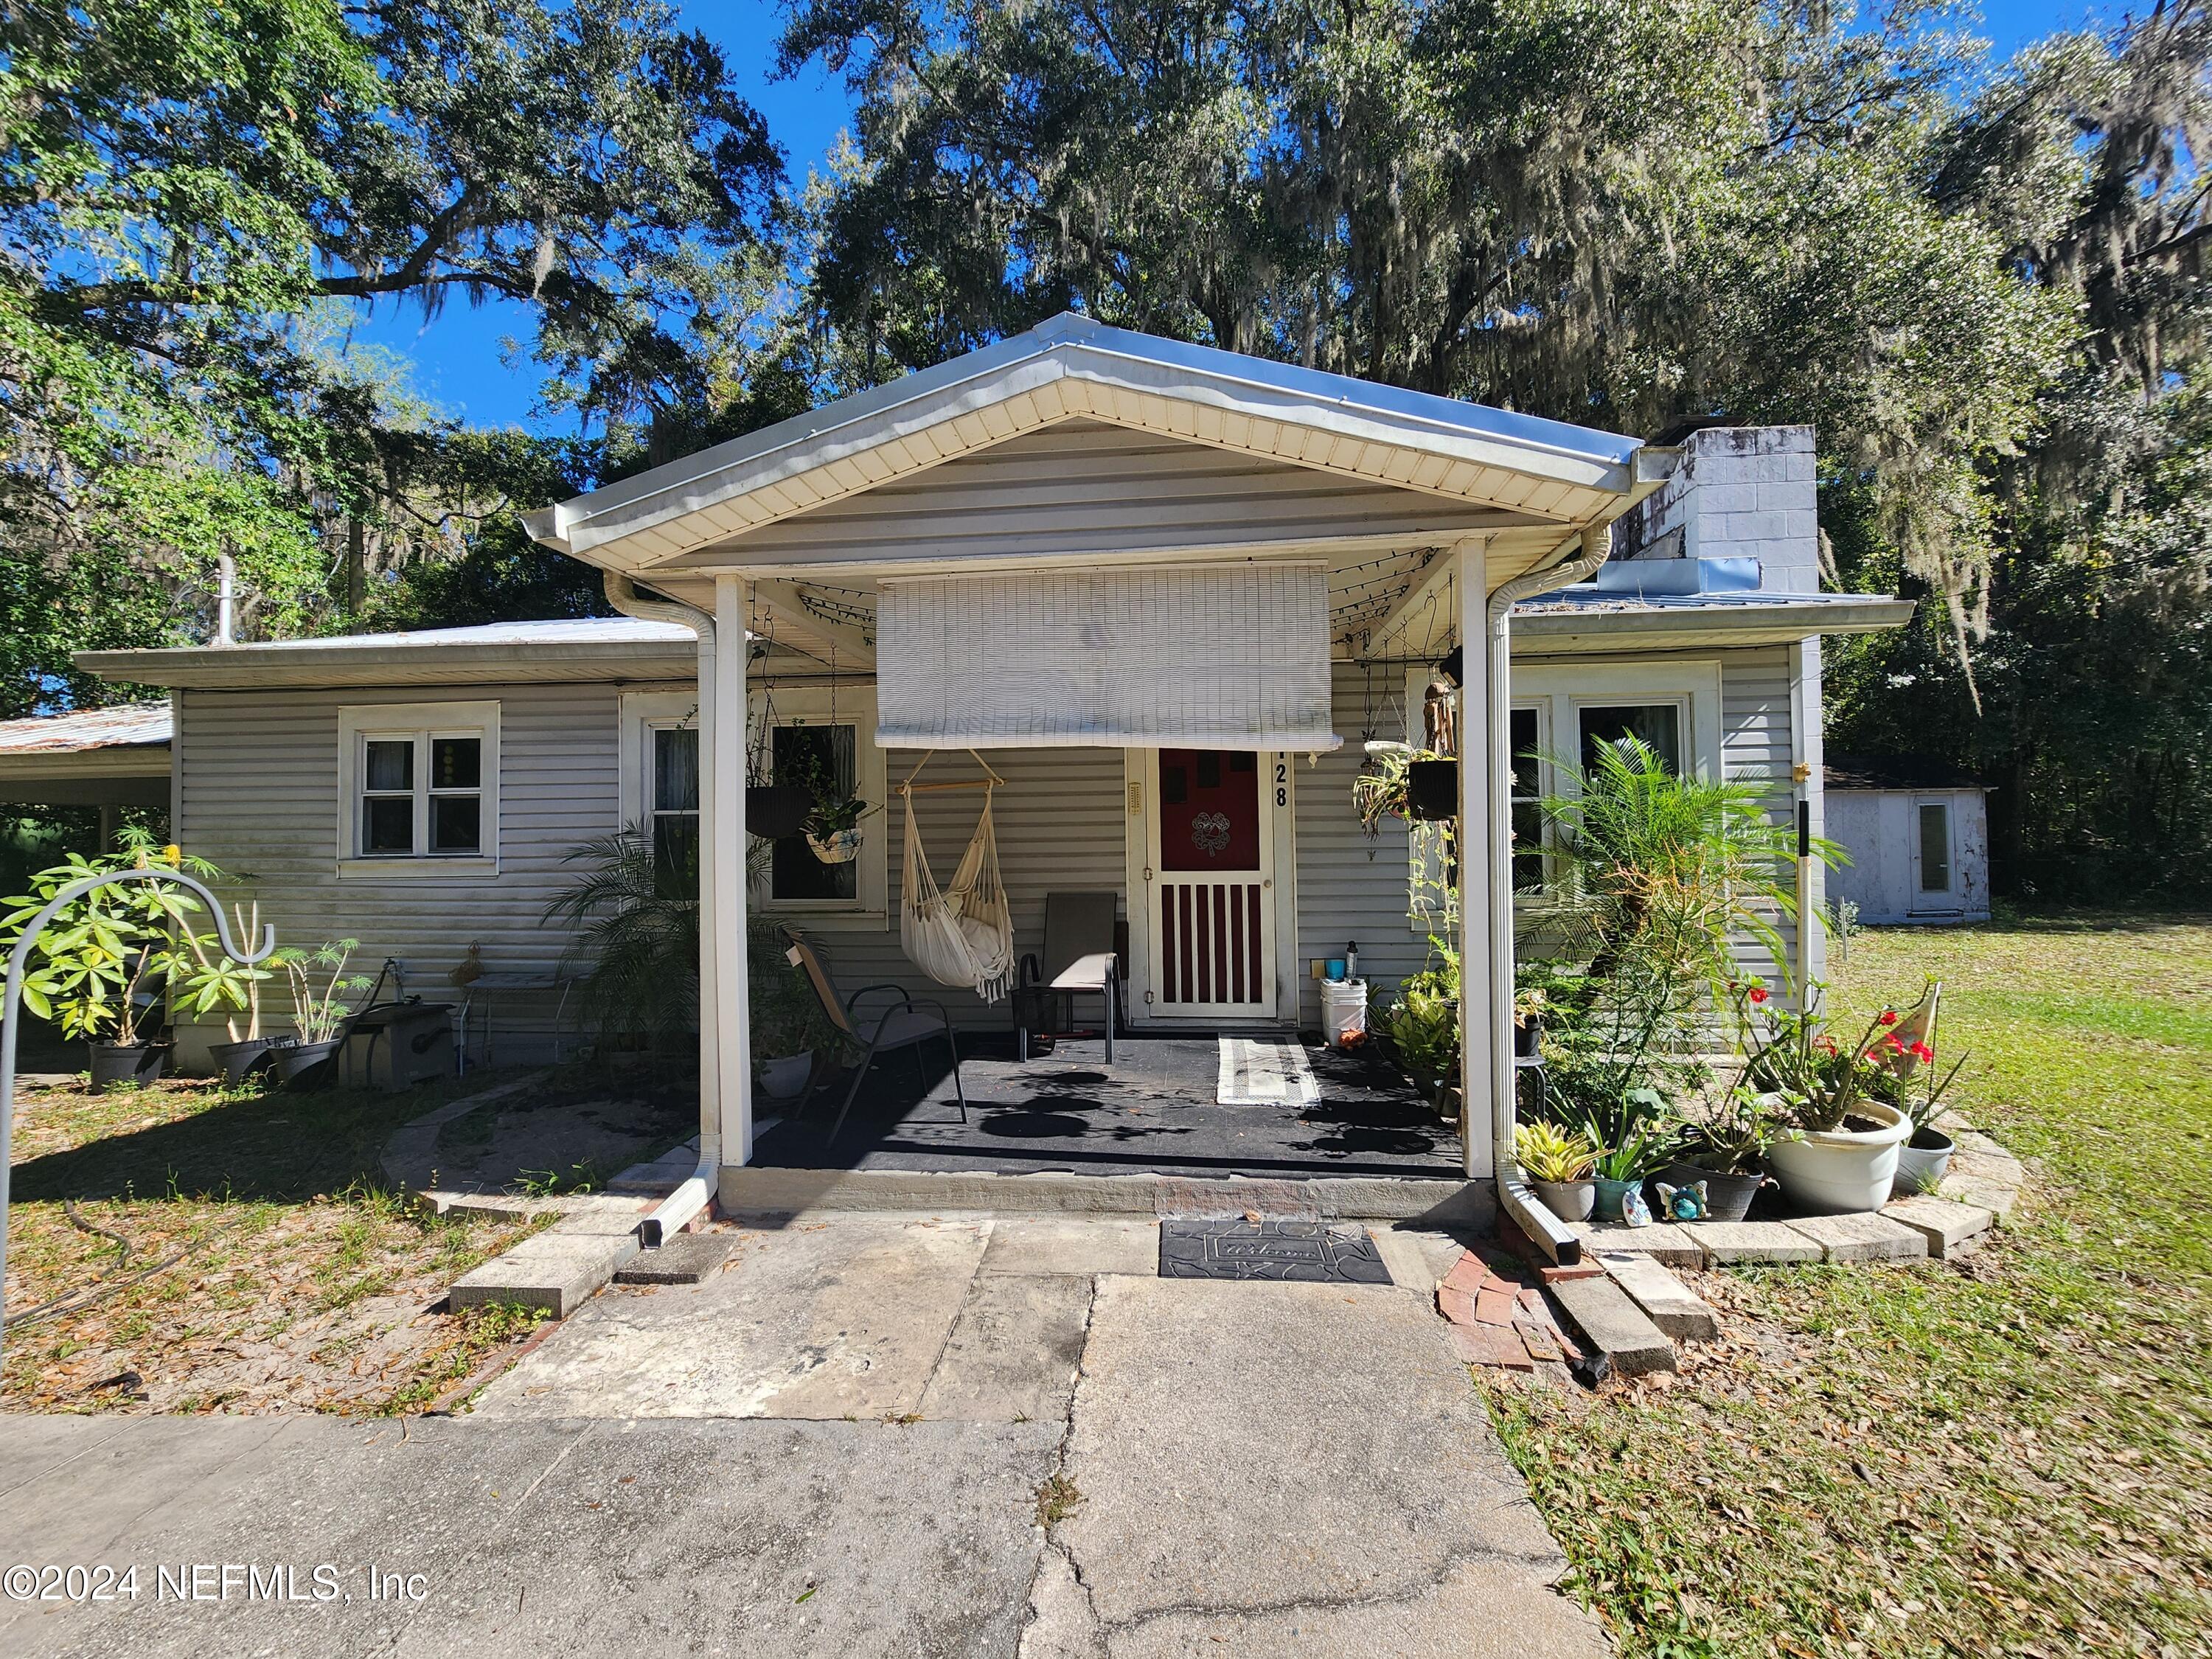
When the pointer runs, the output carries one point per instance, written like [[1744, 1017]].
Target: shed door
[[1935, 879], [1210, 864]]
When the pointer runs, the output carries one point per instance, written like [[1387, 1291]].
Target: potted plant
[[214, 982], [104, 966], [833, 829], [1557, 1165], [1925, 1157], [789, 1029], [1620, 1169], [1838, 1149], [1724, 1144], [1528, 1022], [318, 976]]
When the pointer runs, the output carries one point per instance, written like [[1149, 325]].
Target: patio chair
[[902, 1025], [1082, 956]]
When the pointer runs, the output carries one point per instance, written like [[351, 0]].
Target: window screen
[[1528, 816], [1934, 847]]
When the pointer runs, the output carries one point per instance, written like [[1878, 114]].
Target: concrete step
[[767, 1192], [686, 1259], [1666, 1299], [1619, 1335]]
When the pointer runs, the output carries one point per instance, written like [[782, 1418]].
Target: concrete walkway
[[849, 1442]]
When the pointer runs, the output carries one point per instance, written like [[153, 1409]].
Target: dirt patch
[[538, 1141], [187, 1248]]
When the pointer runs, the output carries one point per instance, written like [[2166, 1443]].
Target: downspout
[[677, 1211], [1545, 1230]]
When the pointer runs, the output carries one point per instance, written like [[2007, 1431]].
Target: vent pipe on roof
[[226, 600]]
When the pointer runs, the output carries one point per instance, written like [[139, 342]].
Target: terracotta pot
[[1842, 1171]]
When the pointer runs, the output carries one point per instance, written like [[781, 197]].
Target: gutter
[[1548, 1233], [696, 1193]]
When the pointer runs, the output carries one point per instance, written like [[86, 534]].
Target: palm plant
[[1661, 878], [637, 946], [637, 940]]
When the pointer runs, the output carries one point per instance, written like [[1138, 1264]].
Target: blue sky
[[458, 360]]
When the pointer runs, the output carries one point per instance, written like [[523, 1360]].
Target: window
[[1656, 726], [1934, 847], [813, 735], [1561, 713], [420, 788], [1526, 725], [823, 759], [673, 806]]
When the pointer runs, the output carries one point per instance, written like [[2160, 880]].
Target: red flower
[[1889, 1016], [1921, 1051], [1758, 993], [1824, 1043], [1894, 1044]]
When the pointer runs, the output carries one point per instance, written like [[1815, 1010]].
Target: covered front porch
[[1155, 1111], [1083, 542]]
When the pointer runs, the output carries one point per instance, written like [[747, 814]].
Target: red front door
[[1213, 921]]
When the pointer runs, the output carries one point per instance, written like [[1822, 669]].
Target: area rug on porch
[[1308, 1250], [1266, 1072]]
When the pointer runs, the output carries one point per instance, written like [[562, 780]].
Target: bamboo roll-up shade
[[1199, 657]]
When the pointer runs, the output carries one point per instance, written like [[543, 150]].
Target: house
[[1166, 592], [1918, 839]]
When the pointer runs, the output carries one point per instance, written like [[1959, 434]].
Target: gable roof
[[1072, 367]]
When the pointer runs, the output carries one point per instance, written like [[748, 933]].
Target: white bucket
[[1343, 1010]]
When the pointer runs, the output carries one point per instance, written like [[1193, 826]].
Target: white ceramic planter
[[1834, 1171], [782, 1079], [1921, 1169]]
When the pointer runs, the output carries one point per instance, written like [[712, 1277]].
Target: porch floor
[[1153, 1111]]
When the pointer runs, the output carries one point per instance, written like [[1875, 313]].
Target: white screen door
[[1209, 837]]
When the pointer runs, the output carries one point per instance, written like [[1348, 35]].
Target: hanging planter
[[837, 846], [776, 810], [1432, 789]]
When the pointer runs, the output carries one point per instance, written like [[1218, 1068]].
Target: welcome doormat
[[1313, 1251], [1266, 1072]]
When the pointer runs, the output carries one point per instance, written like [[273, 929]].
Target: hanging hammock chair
[[962, 934]]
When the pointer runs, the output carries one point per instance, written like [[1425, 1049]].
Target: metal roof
[[129, 725], [1071, 365]]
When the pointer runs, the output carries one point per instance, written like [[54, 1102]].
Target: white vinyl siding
[[1087, 486], [258, 793]]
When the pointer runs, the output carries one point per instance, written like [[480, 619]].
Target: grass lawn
[[188, 1247], [2008, 1455]]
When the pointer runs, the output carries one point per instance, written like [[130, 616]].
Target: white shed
[[1918, 841]]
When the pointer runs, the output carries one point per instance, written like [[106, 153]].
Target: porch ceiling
[[1451, 469]]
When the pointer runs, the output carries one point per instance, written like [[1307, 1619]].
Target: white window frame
[[1558, 692], [1925, 897], [855, 706], [644, 713], [419, 722]]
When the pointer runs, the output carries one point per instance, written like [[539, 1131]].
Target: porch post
[[1478, 992], [723, 898]]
